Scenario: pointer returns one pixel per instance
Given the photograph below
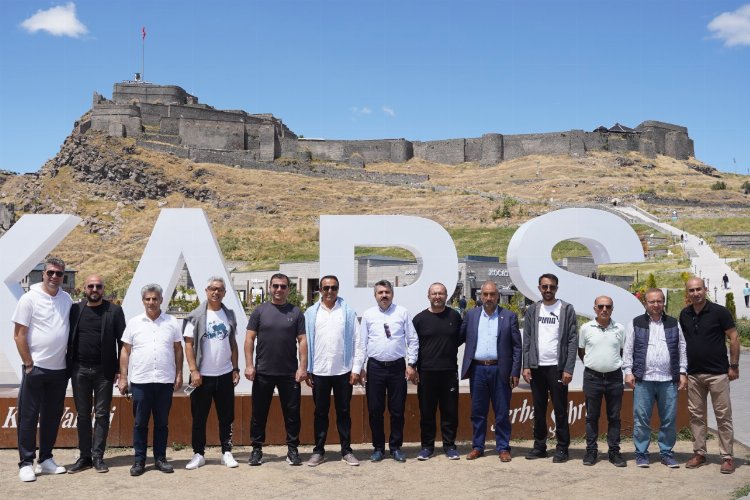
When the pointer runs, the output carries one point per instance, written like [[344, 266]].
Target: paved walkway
[[710, 266]]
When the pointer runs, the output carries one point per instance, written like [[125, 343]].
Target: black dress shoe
[[137, 469], [81, 464], [164, 466], [99, 465]]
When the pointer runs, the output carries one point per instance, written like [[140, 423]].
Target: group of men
[[331, 351]]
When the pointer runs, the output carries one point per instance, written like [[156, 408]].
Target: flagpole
[[143, 53]]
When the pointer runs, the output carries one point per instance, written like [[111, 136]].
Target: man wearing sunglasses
[[600, 345], [211, 352], [280, 362], [332, 331], [41, 334], [389, 346], [550, 342], [93, 361]]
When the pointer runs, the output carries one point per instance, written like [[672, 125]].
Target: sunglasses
[[604, 306], [548, 287], [330, 288], [216, 289], [387, 330], [51, 273], [278, 285], [95, 286]]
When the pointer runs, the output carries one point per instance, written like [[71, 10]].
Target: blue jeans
[[644, 395], [151, 399], [486, 387]]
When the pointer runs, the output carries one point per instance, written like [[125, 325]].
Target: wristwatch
[[413, 365], [236, 370], [734, 366]]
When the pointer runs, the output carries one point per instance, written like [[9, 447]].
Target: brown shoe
[[695, 461], [474, 454], [727, 465], [505, 456]]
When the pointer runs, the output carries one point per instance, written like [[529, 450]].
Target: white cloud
[[389, 111], [732, 27], [360, 111], [57, 21]]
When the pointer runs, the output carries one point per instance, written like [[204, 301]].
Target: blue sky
[[361, 69]]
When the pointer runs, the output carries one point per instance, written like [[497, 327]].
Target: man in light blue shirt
[[388, 345]]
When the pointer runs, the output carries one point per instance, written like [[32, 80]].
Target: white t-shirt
[[548, 331], [47, 319], [152, 358], [329, 345], [215, 350]]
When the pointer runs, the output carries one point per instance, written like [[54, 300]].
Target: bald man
[[600, 344], [96, 327]]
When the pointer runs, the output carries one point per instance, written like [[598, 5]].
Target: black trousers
[[91, 389], [151, 399], [386, 379], [342, 397], [546, 382], [438, 388], [289, 398], [220, 390], [41, 401], [595, 387]]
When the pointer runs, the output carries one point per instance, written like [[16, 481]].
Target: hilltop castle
[[166, 118]]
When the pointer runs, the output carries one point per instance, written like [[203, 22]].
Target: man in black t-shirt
[[706, 327], [279, 328], [438, 328], [96, 327]]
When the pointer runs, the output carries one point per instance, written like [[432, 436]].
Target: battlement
[[167, 114]]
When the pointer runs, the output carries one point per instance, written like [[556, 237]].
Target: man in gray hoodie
[[550, 342]]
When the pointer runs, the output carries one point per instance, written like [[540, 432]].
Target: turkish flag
[[143, 32]]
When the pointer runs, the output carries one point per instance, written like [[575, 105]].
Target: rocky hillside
[[270, 214]]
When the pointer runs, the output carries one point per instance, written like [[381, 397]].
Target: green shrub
[[729, 304], [743, 329], [719, 185]]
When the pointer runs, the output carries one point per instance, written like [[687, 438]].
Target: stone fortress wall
[[168, 119]]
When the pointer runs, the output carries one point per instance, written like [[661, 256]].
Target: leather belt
[[485, 362], [387, 363]]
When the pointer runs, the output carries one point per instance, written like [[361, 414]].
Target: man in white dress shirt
[[389, 345], [655, 365], [150, 370], [332, 330]]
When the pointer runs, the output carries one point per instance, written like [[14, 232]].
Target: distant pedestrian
[[746, 293], [725, 279]]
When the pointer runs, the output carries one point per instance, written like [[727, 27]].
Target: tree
[[651, 281], [729, 304]]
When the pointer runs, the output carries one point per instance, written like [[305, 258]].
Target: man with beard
[[96, 327], [390, 346]]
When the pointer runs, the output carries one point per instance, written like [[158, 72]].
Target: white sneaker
[[195, 462], [49, 467], [26, 474], [228, 460]]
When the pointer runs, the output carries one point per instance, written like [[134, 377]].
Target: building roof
[[622, 129]]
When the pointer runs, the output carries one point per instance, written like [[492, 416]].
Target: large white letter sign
[[25, 245], [608, 237], [183, 236], [427, 240]]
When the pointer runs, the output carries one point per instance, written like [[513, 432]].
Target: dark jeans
[[220, 390], [438, 388], [546, 383], [609, 386], [41, 401], [342, 396], [289, 398], [91, 388], [386, 379], [151, 399], [486, 386]]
